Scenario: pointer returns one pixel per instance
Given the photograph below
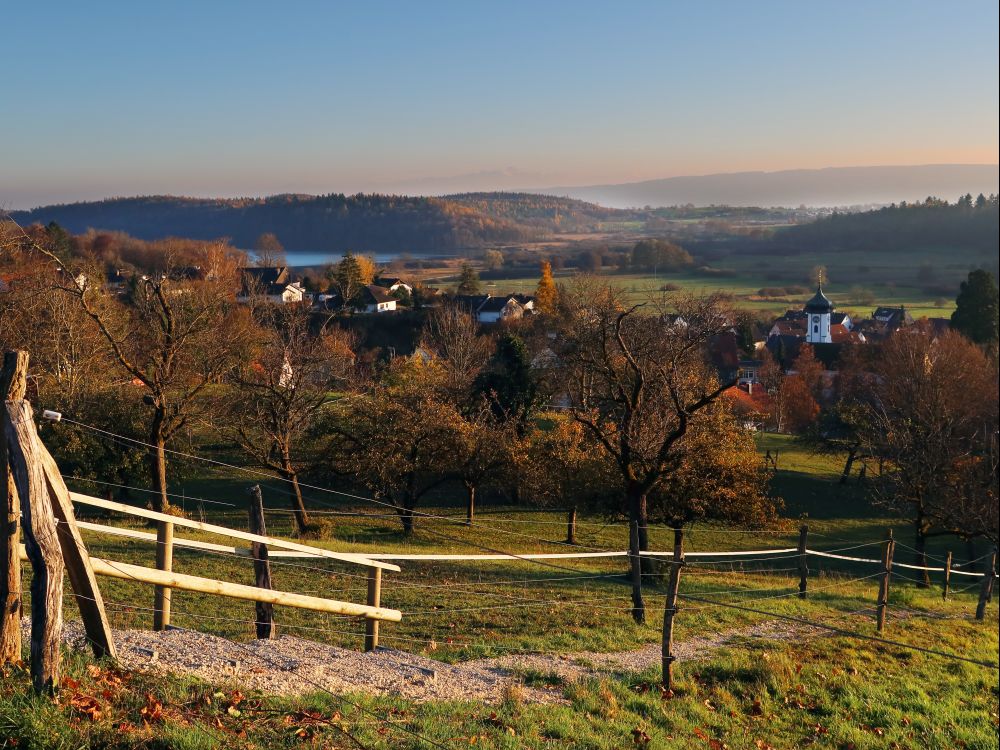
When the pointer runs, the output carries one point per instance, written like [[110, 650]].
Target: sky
[[255, 98]]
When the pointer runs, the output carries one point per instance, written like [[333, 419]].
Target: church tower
[[818, 310]]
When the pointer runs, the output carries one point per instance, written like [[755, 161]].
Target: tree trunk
[[635, 574], [470, 503], [647, 563], [158, 461], [921, 546], [852, 453], [300, 513], [571, 526], [406, 517]]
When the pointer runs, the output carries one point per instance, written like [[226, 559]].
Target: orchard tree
[[399, 440], [638, 379], [561, 467], [278, 392], [931, 421]]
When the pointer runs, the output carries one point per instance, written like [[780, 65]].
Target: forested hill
[[545, 211], [375, 223], [969, 224]]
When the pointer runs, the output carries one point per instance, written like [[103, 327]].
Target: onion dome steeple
[[819, 304]]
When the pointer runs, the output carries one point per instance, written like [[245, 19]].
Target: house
[[750, 403], [526, 301], [495, 309], [394, 284], [272, 284], [376, 299], [748, 372]]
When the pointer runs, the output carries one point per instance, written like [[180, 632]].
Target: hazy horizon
[[254, 99]]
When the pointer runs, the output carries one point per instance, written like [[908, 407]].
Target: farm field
[[811, 688]]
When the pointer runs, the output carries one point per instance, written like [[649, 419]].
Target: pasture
[[803, 687]]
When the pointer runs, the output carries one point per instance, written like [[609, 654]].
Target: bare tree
[[931, 421], [279, 391], [451, 334], [638, 379]]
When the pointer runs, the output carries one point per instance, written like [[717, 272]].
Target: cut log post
[[13, 383], [374, 600], [77, 561], [947, 576], [635, 562], [883, 588], [41, 544], [261, 565], [986, 590], [803, 561], [164, 562], [670, 610]]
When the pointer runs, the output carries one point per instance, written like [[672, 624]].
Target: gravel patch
[[292, 666]]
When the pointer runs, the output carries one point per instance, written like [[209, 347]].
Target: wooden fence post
[[803, 561], [986, 590], [261, 565], [571, 526], [164, 562], [635, 560], [883, 587], [947, 576], [77, 560], [41, 544], [13, 383], [670, 610], [374, 600]]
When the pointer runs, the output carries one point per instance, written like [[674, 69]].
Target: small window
[[815, 329]]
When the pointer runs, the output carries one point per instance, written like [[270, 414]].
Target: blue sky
[[251, 98]]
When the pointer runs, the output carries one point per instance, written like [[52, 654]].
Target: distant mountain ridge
[[833, 186]]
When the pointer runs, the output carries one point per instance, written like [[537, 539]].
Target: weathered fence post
[[670, 609], [41, 544], [13, 383], [261, 565], [571, 526], [635, 560], [803, 561], [77, 560], [164, 562], [883, 587], [374, 600], [947, 576], [986, 590]]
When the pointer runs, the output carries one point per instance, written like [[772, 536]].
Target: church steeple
[[819, 310]]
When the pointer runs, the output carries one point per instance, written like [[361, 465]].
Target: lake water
[[299, 258]]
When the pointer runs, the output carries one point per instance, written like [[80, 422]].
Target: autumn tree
[[546, 292], [483, 453], [399, 440], [932, 420], [351, 275], [660, 255], [719, 476], [468, 280], [494, 259], [562, 468], [278, 392], [638, 380], [268, 251]]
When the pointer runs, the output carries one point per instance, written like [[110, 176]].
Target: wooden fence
[[35, 502]]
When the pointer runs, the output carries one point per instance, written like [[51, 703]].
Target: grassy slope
[[835, 692]]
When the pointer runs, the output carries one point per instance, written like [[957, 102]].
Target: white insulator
[[52, 416]]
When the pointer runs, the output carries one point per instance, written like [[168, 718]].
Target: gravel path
[[290, 665]]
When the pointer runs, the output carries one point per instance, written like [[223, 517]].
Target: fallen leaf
[[86, 705], [639, 737]]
